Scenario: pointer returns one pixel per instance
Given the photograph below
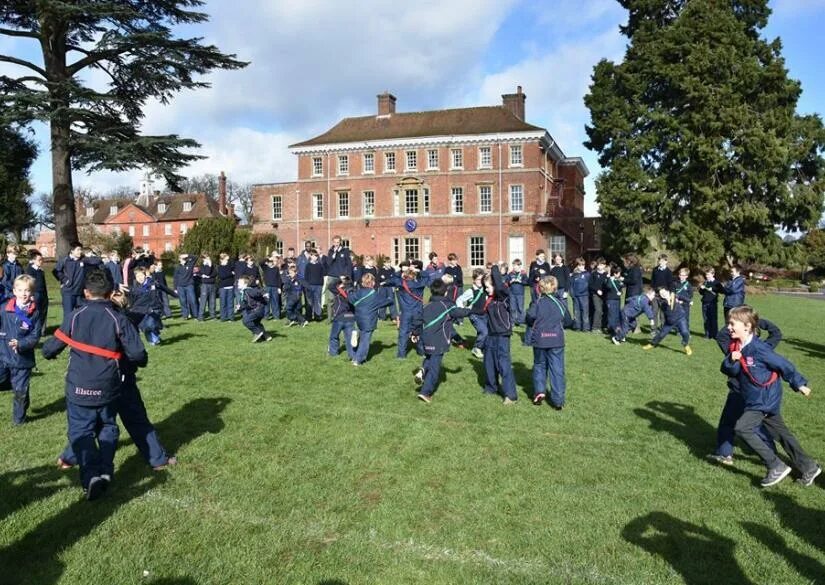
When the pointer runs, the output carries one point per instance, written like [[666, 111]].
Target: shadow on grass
[[377, 346], [811, 569], [173, 581], [181, 337], [24, 487], [814, 350], [807, 523], [37, 556], [524, 379], [45, 411], [698, 554], [332, 582]]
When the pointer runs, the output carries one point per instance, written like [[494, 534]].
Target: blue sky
[[316, 61]]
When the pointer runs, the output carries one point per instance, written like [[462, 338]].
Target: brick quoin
[[550, 216]]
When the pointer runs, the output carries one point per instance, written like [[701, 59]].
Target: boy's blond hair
[[25, 279], [447, 278], [548, 284], [13, 249], [368, 280], [745, 314]]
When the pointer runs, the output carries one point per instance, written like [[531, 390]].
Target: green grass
[[298, 468]]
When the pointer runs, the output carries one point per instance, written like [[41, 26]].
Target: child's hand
[[736, 355], [13, 345], [805, 391], [414, 338]]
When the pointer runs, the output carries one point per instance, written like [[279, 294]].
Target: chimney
[[222, 194], [514, 103], [386, 104]]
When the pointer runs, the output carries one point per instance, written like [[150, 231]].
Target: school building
[[481, 182]]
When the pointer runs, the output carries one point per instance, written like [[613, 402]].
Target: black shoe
[[97, 487]]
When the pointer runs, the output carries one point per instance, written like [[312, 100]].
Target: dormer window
[[161, 208], [113, 210], [90, 211], [187, 206]]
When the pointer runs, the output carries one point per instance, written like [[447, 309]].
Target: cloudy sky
[[314, 62]]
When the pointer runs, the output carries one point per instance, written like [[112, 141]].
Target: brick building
[[156, 221], [480, 182]]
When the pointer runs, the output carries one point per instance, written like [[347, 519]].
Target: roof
[[460, 121], [202, 207]]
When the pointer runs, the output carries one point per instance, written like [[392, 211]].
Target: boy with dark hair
[[145, 304], [410, 285], [434, 328], [632, 275], [208, 276], [539, 268], [580, 290], [271, 273], [454, 269], [69, 273], [383, 276], [252, 305], [734, 290], [562, 274], [159, 276], [476, 299], [516, 279], [684, 293], [633, 308], [112, 264], [674, 317], [497, 360], [613, 297], [99, 337], [662, 277], [20, 328], [343, 318], [598, 280], [314, 273], [366, 302], [11, 269], [41, 293], [709, 292], [226, 285], [183, 281], [293, 289]]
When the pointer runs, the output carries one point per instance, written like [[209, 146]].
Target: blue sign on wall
[[410, 225]]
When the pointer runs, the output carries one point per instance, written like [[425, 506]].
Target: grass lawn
[[299, 468]]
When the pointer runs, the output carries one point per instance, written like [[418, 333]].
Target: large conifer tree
[[698, 134], [134, 44]]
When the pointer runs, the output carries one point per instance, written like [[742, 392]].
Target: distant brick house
[[480, 182], [155, 222]]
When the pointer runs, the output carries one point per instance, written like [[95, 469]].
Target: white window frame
[[411, 159], [167, 229], [396, 202], [432, 159], [183, 229], [279, 247], [161, 208], [417, 200], [517, 251], [145, 230], [277, 207], [471, 246], [132, 231], [317, 206], [90, 211], [317, 166], [520, 189], [481, 156], [187, 206], [516, 155], [343, 204], [167, 247], [481, 200], [457, 200], [557, 244], [411, 242], [369, 203], [112, 210], [343, 164], [456, 159], [390, 156], [369, 163]]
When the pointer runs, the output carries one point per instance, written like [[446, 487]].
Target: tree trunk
[[65, 222]]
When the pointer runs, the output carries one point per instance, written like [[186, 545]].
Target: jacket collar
[[10, 306]]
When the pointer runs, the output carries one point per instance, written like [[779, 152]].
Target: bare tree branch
[[23, 63], [18, 33]]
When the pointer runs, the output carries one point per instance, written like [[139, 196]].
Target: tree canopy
[[134, 44], [17, 153], [698, 133]]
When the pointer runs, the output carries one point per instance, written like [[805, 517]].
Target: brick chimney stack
[[514, 102], [222, 195], [386, 104]]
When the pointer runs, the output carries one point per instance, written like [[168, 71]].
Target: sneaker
[[425, 398], [291, 323], [268, 338], [721, 459], [688, 350], [97, 485], [419, 376], [63, 464], [355, 363], [171, 461], [615, 341], [305, 323], [557, 406], [353, 340], [508, 402], [808, 478], [478, 353], [648, 346], [775, 475], [538, 399], [257, 337]]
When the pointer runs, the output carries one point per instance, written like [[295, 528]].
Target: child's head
[[683, 274], [478, 276], [558, 259], [76, 250], [548, 285], [433, 258], [243, 282], [206, 258], [517, 264], [489, 286], [742, 322], [447, 279], [580, 264], [503, 267], [23, 289], [601, 264], [141, 274], [97, 286], [540, 257], [368, 280], [11, 252], [158, 265], [710, 273], [664, 293], [735, 270], [369, 261], [292, 270], [224, 258], [662, 260], [35, 258], [615, 271], [452, 259], [114, 256], [290, 252], [182, 258], [345, 282], [631, 260], [648, 291], [438, 287]]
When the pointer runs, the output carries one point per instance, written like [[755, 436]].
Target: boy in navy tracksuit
[[709, 292], [343, 317], [11, 270], [112, 264], [366, 301], [183, 281], [208, 275], [662, 277], [497, 360], [99, 336], [252, 305], [734, 290], [633, 308], [516, 279], [684, 293], [735, 402], [41, 293], [613, 297], [562, 274], [20, 328], [69, 273], [580, 290], [271, 272], [539, 268], [674, 317], [314, 273], [410, 285], [434, 328], [758, 370], [368, 267], [548, 317], [133, 415], [632, 276], [294, 289], [385, 273], [476, 298], [598, 280], [453, 268], [145, 304], [226, 287], [451, 293]]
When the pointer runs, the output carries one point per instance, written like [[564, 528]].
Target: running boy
[[497, 360], [684, 293], [41, 293], [709, 291], [516, 279], [674, 317], [547, 318], [366, 301], [633, 308], [579, 290], [293, 290], [476, 299], [252, 305], [734, 290], [343, 317]]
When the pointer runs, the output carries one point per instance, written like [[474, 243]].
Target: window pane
[[485, 199], [432, 159], [410, 201], [477, 256], [458, 199], [343, 204], [516, 198], [515, 155], [389, 161], [412, 160], [369, 162], [369, 203], [411, 249], [277, 207], [485, 157]]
